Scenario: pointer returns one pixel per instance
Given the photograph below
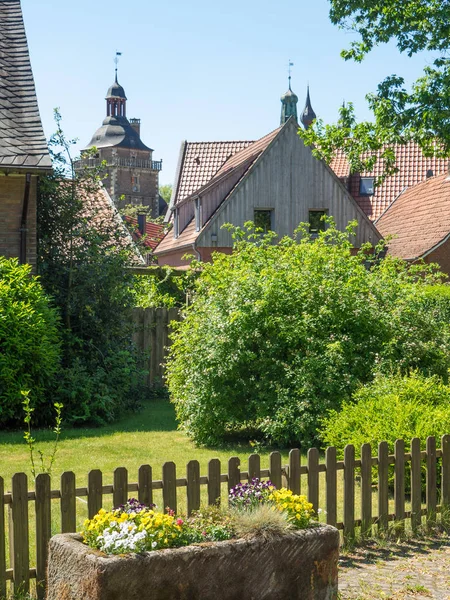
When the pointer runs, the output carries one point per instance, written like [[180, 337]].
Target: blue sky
[[197, 70]]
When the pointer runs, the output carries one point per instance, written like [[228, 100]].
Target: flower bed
[[261, 547]]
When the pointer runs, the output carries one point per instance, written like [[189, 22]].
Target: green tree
[[83, 258], [166, 192], [421, 113], [277, 335]]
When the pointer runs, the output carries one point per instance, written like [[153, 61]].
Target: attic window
[[263, 219], [366, 187], [316, 223]]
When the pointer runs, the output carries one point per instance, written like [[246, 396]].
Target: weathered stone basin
[[297, 566]]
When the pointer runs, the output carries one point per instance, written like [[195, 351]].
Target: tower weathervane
[[116, 61]]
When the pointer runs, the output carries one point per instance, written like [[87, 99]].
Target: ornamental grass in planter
[[265, 546]]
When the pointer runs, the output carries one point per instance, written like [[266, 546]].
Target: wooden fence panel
[[19, 534], [313, 478], [349, 491], [254, 467], [214, 489], [275, 469], [383, 490], [331, 485], [294, 470], [399, 483], [2, 540], [95, 492], [145, 489], [43, 530], [431, 481], [68, 503], [234, 472], [193, 485], [120, 487], [416, 485], [169, 481], [445, 480], [366, 490]]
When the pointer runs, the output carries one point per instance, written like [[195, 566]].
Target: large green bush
[[29, 342], [279, 334]]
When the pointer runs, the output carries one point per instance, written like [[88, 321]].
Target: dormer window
[[366, 186], [198, 216]]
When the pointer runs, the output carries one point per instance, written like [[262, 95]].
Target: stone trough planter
[[300, 565]]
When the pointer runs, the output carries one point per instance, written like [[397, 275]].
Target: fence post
[[349, 491], [2, 540], [214, 481], [416, 485], [383, 498], [95, 492], [193, 485], [366, 490], [169, 479], [399, 489], [313, 478], [294, 470], [120, 486], [331, 485], [19, 537], [254, 466], [68, 503], [234, 472], [445, 483], [431, 481], [275, 469], [145, 491], [43, 530]]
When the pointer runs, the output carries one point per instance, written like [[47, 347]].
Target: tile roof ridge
[[224, 142]]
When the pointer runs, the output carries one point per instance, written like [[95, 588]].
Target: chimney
[[430, 173], [142, 219], [136, 125]]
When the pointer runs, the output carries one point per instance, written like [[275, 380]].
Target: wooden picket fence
[[152, 337], [358, 475]]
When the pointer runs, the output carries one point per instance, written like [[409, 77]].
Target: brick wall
[[12, 188], [441, 256]]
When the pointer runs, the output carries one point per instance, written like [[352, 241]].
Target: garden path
[[412, 570]]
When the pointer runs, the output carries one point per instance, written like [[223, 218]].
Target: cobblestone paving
[[413, 570]]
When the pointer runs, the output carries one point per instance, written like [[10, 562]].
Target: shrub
[[277, 335], [29, 343]]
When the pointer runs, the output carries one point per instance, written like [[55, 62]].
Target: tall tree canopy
[[421, 113]]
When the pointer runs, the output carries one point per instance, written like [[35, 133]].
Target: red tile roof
[[419, 218], [201, 161], [154, 232], [412, 168]]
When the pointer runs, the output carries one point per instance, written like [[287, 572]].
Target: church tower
[[288, 105], [132, 174]]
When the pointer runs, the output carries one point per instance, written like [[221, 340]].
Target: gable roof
[[412, 168], [243, 159], [419, 218], [22, 141], [154, 232]]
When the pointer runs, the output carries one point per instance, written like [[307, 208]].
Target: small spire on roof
[[116, 60], [288, 100], [308, 115]]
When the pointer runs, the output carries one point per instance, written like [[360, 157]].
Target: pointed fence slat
[[68, 503], [19, 540], [193, 485], [275, 469], [445, 480], [254, 466], [383, 490], [366, 490], [313, 478], [95, 492], [349, 491], [120, 487], [145, 490], [431, 481], [399, 483], [294, 470], [234, 472], [43, 530], [416, 485], [2, 540], [169, 481], [214, 481], [331, 485]]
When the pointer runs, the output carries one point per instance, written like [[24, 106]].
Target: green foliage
[[277, 335], [29, 342], [83, 260], [390, 408], [166, 192], [437, 299], [163, 286], [420, 113]]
